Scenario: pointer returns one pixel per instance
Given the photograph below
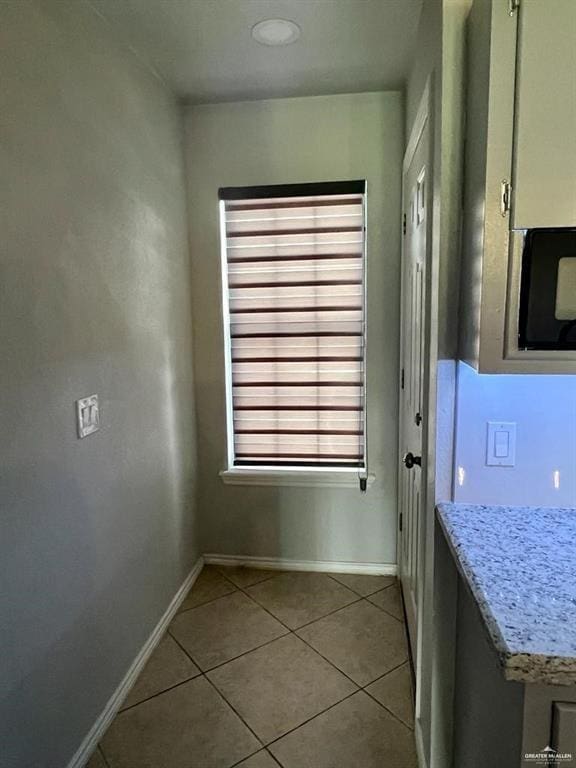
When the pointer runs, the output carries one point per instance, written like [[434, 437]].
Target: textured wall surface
[[96, 535], [283, 141]]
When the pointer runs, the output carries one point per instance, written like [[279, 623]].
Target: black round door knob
[[410, 460]]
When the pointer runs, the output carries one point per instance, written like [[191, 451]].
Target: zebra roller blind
[[293, 277]]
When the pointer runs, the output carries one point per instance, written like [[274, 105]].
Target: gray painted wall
[[282, 141], [96, 535]]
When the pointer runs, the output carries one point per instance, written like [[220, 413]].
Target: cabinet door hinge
[[404, 225], [505, 193], [513, 6]]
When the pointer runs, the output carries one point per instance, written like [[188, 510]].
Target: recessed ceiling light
[[276, 32]]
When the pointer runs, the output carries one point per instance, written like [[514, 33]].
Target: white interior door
[[412, 387]]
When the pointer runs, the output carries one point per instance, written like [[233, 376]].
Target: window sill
[[297, 477]]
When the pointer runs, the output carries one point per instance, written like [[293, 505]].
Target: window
[[294, 313]]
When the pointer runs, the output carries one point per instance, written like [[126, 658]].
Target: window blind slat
[[300, 407], [292, 334], [295, 279], [272, 255]]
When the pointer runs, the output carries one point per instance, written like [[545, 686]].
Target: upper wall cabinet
[[518, 283], [544, 171]]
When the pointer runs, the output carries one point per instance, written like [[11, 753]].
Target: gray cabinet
[[499, 723], [481, 719], [544, 171], [519, 168], [549, 721], [564, 727]]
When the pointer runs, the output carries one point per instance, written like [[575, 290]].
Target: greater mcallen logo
[[549, 757]]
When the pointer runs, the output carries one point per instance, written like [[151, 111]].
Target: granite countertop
[[520, 564]]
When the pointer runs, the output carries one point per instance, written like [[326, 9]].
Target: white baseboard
[[285, 564], [89, 744]]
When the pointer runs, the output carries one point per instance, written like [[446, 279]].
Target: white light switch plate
[[501, 444], [87, 415]]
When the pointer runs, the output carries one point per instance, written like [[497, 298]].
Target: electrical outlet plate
[[87, 415]]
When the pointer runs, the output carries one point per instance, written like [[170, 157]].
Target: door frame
[[421, 664], [412, 349]]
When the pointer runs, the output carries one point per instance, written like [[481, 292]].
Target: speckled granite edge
[[538, 668], [526, 667]]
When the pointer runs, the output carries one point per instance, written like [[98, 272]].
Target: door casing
[[422, 657]]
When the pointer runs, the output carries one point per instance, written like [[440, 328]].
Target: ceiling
[[204, 51]]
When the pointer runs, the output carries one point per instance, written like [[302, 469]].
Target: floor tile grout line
[[238, 588], [245, 653], [244, 591], [276, 760], [359, 687], [380, 589], [380, 677], [266, 578], [268, 642], [295, 629], [263, 607], [333, 577], [289, 629], [249, 596], [179, 644], [102, 755], [390, 712], [204, 673], [220, 694], [319, 714], [309, 720], [390, 671], [292, 632], [264, 749], [383, 589], [325, 616], [207, 602], [234, 658], [264, 745], [270, 743], [239, 762], [233, 708], [155, 695], [402, 621], [159, 693]]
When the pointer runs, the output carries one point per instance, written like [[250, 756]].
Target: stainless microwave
[[547, 316]]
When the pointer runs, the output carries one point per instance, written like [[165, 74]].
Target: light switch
[[87, 415], [501, 444]]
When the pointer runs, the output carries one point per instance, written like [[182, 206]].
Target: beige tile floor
[[261, 669]]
